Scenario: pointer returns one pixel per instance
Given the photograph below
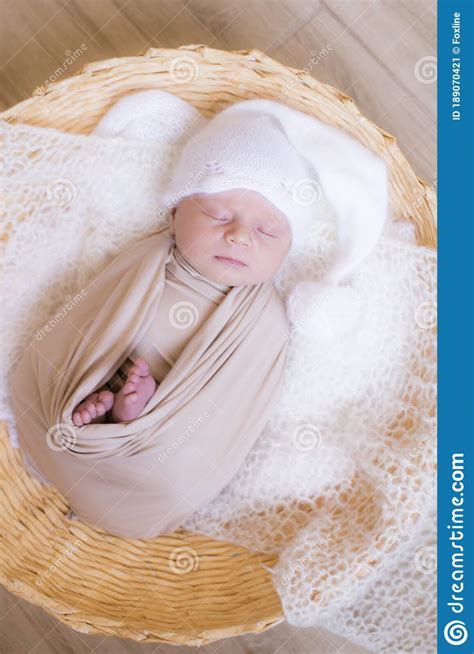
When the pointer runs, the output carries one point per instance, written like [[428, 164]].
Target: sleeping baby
[[233, 216], [251, 195], [230, 238], [142, 405]]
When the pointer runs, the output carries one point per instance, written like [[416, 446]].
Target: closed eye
[[225, 219], [266, 233], [215, 217]]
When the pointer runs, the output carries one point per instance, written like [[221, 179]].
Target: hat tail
[[353, 178]]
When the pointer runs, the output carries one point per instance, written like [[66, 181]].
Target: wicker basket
[[182, 588]]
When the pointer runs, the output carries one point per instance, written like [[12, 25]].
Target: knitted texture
[[237, 150], [342, 482], [292, 159]]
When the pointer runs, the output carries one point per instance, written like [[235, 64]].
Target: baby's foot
[[136, 392], [93, 408]]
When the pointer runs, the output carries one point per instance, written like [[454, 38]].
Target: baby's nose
[[239, 235]]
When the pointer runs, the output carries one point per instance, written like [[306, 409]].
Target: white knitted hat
[[236, 151], [291, 159]]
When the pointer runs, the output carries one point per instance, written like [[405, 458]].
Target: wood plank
[[388, 98], [375, 48]]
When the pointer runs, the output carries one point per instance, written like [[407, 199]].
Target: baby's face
[[240, 224]]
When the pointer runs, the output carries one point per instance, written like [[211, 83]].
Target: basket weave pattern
[[182, 588]]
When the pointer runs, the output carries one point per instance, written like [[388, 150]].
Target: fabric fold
[[145, 477]]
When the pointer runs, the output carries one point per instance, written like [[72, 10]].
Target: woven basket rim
[[257, 66], [426, 232]]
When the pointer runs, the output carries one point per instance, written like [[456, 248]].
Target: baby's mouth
[[231, 261]]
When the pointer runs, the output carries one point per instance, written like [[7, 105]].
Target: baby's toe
[[142, 365], [129, 387], [133, 377], [130, 399], [76, 418], [107, 398], [90, 408], [100, 408], [86, 418]]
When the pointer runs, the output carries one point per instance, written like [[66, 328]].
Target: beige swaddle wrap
[[188, 300], [145, 477]]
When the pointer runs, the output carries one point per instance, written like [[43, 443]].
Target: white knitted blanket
[[342, 483]]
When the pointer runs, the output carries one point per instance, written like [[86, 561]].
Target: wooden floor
[[382, 53]]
